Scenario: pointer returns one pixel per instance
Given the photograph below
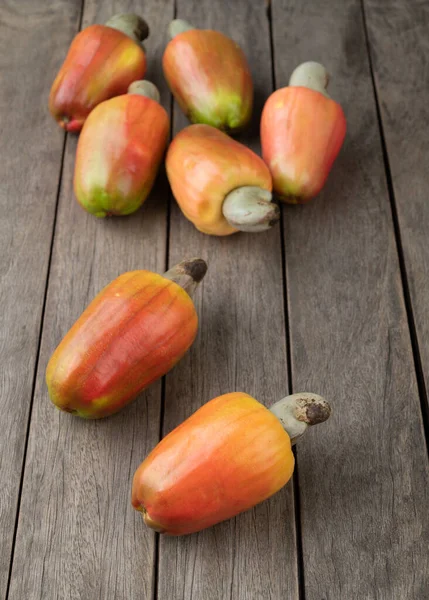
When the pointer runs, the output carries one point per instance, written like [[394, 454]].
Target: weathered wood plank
[[33, 36], [78, 536], [363, 477], [241, 346], [399, 46]]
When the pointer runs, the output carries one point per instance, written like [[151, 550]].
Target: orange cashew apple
[[302, 131], [134, 331], [120, 150], [220, 185], [209, 77], [103, 60], [227, 457]]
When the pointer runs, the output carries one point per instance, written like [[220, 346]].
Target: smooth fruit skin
[[208, 75], [302, 132], [203, 166], [134, 331], [227, 457], [101, 63], [119, 153]]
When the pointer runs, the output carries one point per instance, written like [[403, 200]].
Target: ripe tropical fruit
[[103, 60], [134, 331], [228, 456]]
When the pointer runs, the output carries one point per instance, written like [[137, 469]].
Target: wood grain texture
[[402, 82], [363, 476], [78, 536], [31, 150], [241, 346]]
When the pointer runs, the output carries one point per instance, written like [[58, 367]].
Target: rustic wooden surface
[[241, 346], [401, 80], [78, 536], [31, 154], [355, 525], [364, 484]]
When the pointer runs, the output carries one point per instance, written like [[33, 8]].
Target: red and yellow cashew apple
[[134, 331], [302, 131], [220, 185], [209, 76], [103, 60], [228, 456], [119, 151]]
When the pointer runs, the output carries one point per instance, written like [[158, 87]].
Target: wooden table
[[335, 301]]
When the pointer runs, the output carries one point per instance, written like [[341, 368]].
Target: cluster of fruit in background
[[233, 452]]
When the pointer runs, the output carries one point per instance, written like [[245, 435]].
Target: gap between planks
[[157, 549], [295, 478]]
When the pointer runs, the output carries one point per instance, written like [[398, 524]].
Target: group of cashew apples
[[233, 452]]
